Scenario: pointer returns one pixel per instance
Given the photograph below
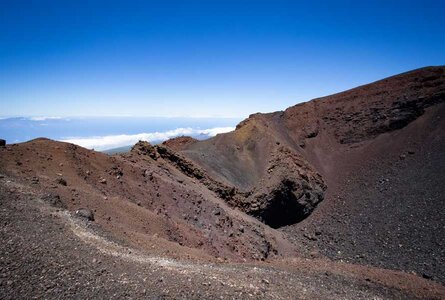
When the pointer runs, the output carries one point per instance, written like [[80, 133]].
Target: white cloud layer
[[101, 143], [43, 118]]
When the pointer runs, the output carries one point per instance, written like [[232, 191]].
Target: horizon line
[[54, 117]]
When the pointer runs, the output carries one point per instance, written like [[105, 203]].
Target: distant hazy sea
[[111, 132]]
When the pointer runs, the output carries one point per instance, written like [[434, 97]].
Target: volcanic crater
[[341, 196]]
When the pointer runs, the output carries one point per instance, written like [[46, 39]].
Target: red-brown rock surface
[[380, 149], [179, 143]]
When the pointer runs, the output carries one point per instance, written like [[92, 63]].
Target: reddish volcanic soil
[[380, 149], [339, 197]]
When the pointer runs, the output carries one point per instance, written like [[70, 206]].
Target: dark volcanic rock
[[145, 148], [290, 192], [85, 214], [61, 181], [2, 143], [54, 200]]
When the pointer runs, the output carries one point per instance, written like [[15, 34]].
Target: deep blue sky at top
[[204, 58]]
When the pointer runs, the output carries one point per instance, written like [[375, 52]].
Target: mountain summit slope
[[380, 150], [240, 157]]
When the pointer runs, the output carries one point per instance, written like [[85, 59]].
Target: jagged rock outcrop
[[145, 148], [290, 190]]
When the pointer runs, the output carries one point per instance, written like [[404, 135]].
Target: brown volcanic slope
[[180, 220], [380, 149]]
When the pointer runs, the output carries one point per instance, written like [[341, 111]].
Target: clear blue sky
[[204, 58]]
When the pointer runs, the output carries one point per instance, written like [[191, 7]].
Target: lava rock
[[53, 200], [85, 213], [61, 181], [291, 193]]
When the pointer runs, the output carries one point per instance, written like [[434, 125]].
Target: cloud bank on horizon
[[43, 118], [102, 143]]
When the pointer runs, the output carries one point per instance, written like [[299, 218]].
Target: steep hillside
[[380, 151], [241, 157]]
